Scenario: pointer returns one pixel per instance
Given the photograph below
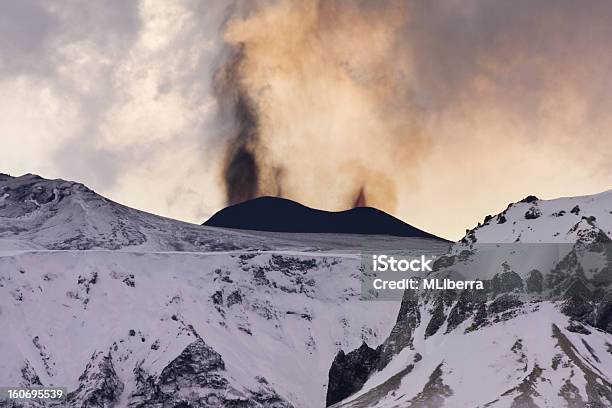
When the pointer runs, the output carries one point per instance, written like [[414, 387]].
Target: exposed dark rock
[[526, 390], [576, 288], [578, 309], [596, 314], [568, 267], [29, 375], [603, 315], [444, 261], [577, 328], [197, 365], [196, 378], [503, 303], [533, 213], [442, 300], [349, 372], [259, 276], [129, 280], [534, 281], [306, 316], [437, 320], [234, 298], [99, 385], [402, 334], [506, 282], [480, 318], [434, 392], [468, 305], [529, 199], [292, 264], [470, 236], [217, 297]]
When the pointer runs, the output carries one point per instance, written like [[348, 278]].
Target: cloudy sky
[[115, 94], [442, 112]]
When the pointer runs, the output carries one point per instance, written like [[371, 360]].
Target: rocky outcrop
[[197, 378], [350, 371], [99, 385]]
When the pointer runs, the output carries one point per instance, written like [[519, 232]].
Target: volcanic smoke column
[[318, 95]]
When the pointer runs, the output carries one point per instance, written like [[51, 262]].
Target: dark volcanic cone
[[282, 215]]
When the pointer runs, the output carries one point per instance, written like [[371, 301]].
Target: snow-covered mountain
[[561, 220], [36, 213], [128, 309], [538, 335]]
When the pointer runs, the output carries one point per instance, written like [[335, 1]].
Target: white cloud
[[121, 100]]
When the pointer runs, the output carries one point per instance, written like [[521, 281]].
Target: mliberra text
[[426, 284]]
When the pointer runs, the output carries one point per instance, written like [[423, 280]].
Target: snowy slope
[[266, 318], [124, 308], [533, 220], [538, 335], [527, 361], [36, 213]]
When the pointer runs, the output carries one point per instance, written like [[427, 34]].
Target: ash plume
[[240, 167], [307, 98], [360, 200], [401, 103], [241, 172]]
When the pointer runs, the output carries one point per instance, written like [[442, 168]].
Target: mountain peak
[[534, 220], [39, 213], [275, 214]]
